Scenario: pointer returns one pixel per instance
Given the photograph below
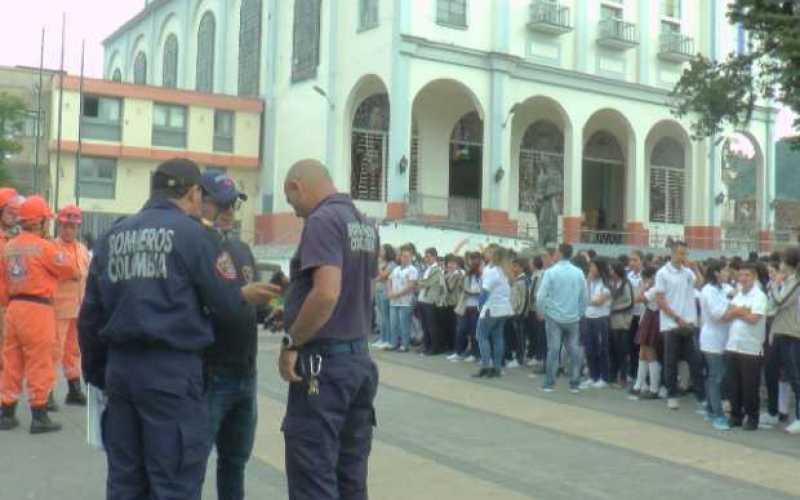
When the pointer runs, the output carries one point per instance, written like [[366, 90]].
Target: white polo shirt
[[400, 278], [498, 304], [595, 289], [714, 304], [636, 283], [677, 285], [745, 338]]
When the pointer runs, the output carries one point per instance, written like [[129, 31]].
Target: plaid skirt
[[648, 334]]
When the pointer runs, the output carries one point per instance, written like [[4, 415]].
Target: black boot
[[41, 423], [485, 372], [8, 419], [75, 396], [51, 403]]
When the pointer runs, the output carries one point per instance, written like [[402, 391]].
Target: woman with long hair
[[622, 302], [598, 315], [467, 311], [495, 310], [387, 261]]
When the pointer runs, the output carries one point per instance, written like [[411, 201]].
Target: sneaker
[[750, 425], [531, 363], [586, 384], [794, 427], [648, 396], [402, 349], [512, 364], [548, 389], [574, 390], [532, 375], [600, 384], [673, 404], [453, 357], [662, 393], [768, 420], [721, 424], [470, 359]]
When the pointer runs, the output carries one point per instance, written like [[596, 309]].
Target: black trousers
[[633, 348], [772, 370], [681, 343], [447, 329], [430, 328], [516, 339], [620, 355], [743, 380]]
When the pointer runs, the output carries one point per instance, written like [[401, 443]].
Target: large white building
[[539, 117]]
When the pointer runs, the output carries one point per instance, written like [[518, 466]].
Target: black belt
[[32, 298], [333, 347]]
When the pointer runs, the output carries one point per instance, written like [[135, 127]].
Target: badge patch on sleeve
[[225, 266], [60, 259], [247, 274]]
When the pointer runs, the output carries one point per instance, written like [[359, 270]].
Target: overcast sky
[[92, 20]]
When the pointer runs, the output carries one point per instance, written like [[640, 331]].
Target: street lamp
[[324, 94]]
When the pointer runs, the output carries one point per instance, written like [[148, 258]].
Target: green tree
[[12, 113], [720, 94]]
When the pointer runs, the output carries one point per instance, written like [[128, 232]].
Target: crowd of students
[[627, 322]]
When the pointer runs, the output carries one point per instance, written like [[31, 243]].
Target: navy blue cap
[[221, 188]]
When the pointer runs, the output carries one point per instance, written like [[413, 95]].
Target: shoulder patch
[[225, 266], [60, 258], [247, 274]]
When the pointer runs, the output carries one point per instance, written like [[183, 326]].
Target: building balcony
[[617, 34], [674, 47], [549, 17]]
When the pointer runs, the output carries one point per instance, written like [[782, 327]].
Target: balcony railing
[[103, 130], [445, 211], [617, 34], [675, 47], [550, 17]]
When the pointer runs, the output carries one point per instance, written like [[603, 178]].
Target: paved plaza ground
[[443, 436]]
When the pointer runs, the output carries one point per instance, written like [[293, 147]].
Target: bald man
[[324, 356]]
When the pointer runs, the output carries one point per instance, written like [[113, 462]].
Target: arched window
[[542, 146], [667, 181], [206, 34], [140, 69], [370, 147], [604, 147], [117, 76], [249, 47], [170, 64]]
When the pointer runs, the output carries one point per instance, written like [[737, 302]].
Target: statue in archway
[[547, 201]]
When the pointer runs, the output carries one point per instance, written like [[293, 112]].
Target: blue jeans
[[597, 348], [384, 317], [714, 380], [233, 415], [569, 333], [401, 325], [491, 341]]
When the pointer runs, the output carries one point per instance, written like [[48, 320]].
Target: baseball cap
[[221, 188], [177, 172]]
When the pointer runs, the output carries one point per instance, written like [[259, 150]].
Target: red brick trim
[[636, 234], [572, 229], [396, 210], [498, 222], [703, 237]]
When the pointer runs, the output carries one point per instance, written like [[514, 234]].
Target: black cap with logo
[[176, 173]]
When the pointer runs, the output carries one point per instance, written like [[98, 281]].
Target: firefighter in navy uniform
[[328, 315], [154, 284], [231, 361]]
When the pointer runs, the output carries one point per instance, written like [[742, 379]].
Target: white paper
[[95, 407]]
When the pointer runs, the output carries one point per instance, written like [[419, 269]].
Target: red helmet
[[70, 214], [7, 195], [34, 207]]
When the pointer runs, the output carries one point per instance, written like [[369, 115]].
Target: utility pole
[[60, 111]]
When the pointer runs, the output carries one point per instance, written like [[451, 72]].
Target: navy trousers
[[156, 426], [328, 434]]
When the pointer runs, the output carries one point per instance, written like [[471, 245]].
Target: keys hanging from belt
[[314, 369]]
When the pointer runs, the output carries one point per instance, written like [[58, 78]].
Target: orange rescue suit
[[32, 268], [4, 238], [68, 300]]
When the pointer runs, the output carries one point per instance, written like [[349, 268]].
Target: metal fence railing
[[619, 30], [447, 211], [548, 12], [676, 43]]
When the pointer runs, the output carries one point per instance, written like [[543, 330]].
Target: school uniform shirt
[[745, 338], [677, 285], [596, 288], [400, 278], [519, 295], [635, 280], [498, 305], [650, 299], [714, 303]]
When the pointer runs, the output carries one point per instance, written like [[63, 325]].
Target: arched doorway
[[667, 181], [369, 148], [604, 187], [466, 162], [541, 177], [741, 164]]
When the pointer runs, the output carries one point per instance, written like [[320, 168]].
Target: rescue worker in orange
[[33, 266], [69, 297], [8, 229]]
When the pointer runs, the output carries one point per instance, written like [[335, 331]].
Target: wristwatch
[[287, 343]]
